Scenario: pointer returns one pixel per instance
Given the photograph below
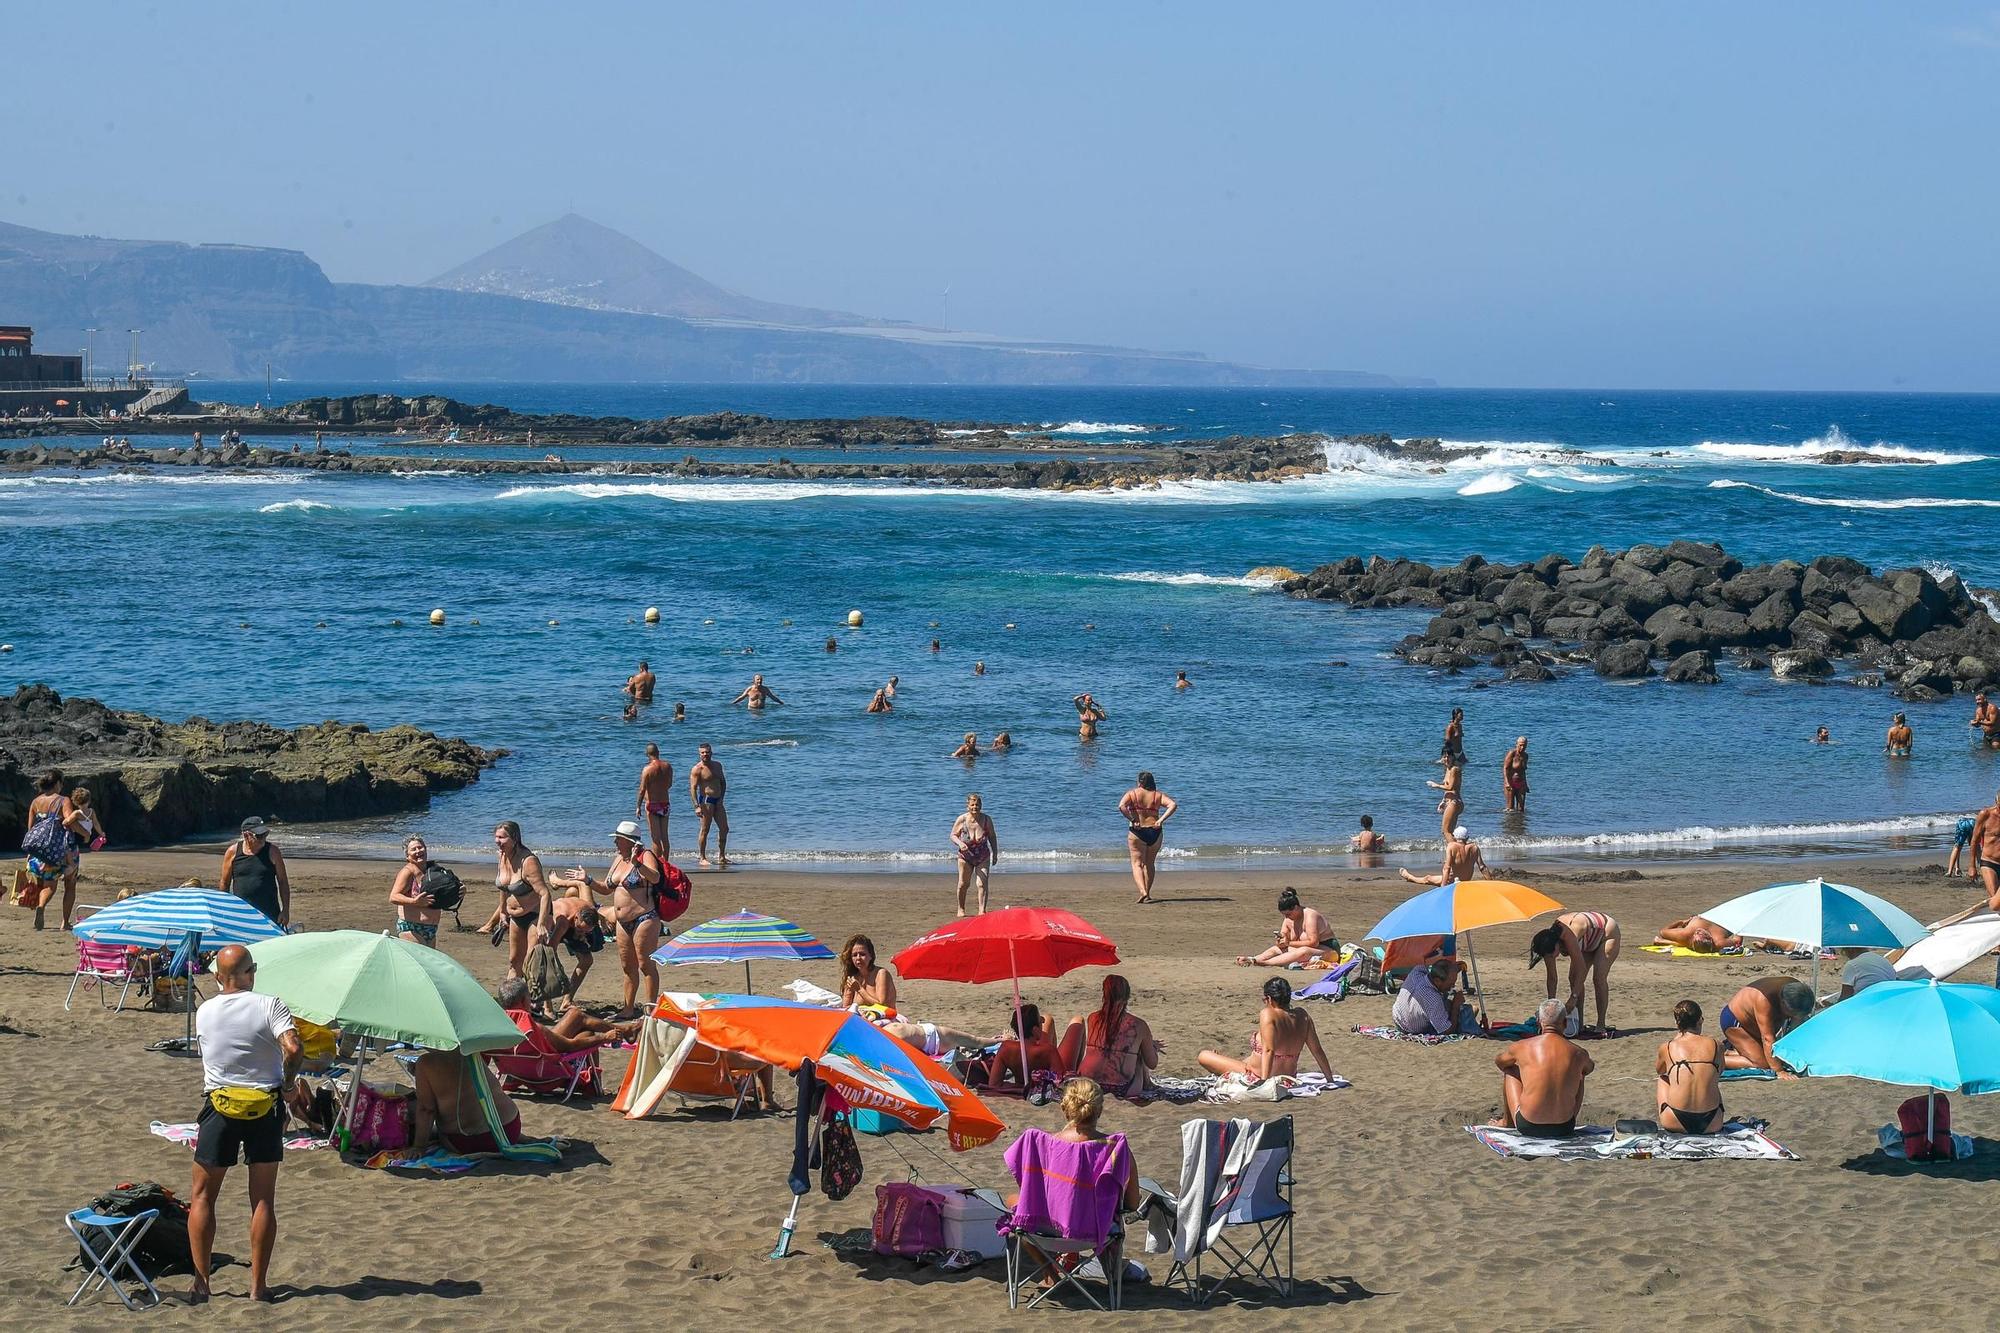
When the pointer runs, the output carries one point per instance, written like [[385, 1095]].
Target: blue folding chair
[[115, 1238]]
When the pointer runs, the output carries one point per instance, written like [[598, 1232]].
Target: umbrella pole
[[747, 989], [1015, 973], [193, 946], [344, 1127], [1815, 980], [1479, 996]]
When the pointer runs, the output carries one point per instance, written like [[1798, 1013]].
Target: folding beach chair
[[536, 1066], [103, 965], [668, 1059], [1065, 1245], [106, 1244], [1235, 1174]]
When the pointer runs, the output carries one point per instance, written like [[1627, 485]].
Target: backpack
[[444, 888], [839, 1158], [47, 840], [1914, 1119], [164, 1251], [673, 892]]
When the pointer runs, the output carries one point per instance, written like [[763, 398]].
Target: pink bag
[[909, 1220], [380, 1120]]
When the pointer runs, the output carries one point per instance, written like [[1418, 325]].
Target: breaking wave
[[1830, 502], [1835, 440]]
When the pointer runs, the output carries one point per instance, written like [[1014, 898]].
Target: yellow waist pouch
[[243, 1103]]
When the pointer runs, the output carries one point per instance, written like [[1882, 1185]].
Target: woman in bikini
[[1451, 805], [630, 880], [1699, 934], [1146, 809], [978, 848], [1590, 941], [863, 982], [1113, 1045], [525, 896], [1689, 1066]]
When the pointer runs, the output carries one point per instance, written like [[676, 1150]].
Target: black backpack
[[164, 1251], [444, 888]]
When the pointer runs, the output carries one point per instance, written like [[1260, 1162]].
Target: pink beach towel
[[1068, 1189]]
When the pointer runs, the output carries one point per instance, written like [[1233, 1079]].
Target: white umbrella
[[1823, 915]]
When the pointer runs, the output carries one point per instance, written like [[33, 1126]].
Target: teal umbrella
[[1923, 1034], [1824, 915]]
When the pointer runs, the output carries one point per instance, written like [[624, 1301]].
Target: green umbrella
[[384, 988]]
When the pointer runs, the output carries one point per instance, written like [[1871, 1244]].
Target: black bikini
[[1146, 833], [1695, 1122]]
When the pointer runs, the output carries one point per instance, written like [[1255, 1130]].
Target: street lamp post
[[132, 371], [89, 345]]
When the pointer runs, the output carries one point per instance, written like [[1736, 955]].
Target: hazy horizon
[[1786, 197]]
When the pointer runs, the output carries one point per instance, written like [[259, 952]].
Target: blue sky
[[1698, 195]]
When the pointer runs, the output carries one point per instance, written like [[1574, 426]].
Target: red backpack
[[672, 893], [1919, 1143]]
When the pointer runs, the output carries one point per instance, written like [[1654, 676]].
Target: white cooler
[[969, 1221]]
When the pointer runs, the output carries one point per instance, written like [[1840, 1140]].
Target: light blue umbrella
[[1826, 916], [191, 918], [1922, 1034]]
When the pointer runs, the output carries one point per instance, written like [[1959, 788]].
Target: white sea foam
[[1830, 502], [302, 505], [156, 479], [1493, 483], [716, 492], [1700, 835], [1097, 428], [1835, 439], [1195, 580]]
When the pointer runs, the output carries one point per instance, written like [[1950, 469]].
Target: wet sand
[[1404, 1220]]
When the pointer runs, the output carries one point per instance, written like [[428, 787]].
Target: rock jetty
[[1673, 608], [158, 781]]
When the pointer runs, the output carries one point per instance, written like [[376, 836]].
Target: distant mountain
[[574, 261], [571, 301]]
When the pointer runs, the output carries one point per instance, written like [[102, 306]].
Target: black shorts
[[219, 1138]]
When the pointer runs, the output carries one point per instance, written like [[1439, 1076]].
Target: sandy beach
[[1404, 1220]]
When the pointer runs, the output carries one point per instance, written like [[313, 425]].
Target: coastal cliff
[[157, 781]]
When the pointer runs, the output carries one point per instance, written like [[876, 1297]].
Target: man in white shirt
[[249, 1048], [1863, 971], [1421, 1009]]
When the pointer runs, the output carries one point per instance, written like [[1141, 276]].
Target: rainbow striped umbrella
[[742, 937]]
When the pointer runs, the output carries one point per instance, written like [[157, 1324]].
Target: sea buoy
[[437, 616], [708, 622], [1010, 624], [6, 647], [652, 615], [854, 619]]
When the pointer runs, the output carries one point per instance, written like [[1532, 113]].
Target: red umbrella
[[1013, 942]]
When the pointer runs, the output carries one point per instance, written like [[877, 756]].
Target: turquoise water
[[135, 588]]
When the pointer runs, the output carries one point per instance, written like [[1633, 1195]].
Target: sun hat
[[626, 829]]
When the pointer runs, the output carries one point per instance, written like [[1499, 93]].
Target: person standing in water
[[656, 798], [1900, 740], [978, 848], [756, 694], [1451, 805], [1454, 739], [1146, 809], [640, 684], [706, 787], [1514, 776]]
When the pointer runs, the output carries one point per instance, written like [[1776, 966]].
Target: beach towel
[[187, 1131], [1390, 1032], [805, 992], [1068, 1189], [1891, 1139], [525, 1150], [1738, 1140], [1682, 951], [1238, 1088], [437, 1159], [1179, 1091], [1753, 1075], [1332, 986]]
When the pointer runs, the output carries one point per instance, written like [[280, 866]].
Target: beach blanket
[[1682, 951], [436, 1159], [1333, 985], [1891, 1139], [1238, 1088], [1754, 1075], [1739, 1139], [806, 992], [1180, 1091], [186, 1133], [1390, 1032]]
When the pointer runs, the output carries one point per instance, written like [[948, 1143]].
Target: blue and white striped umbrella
[[166, 916]]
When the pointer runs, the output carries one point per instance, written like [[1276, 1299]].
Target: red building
[[21, 367]]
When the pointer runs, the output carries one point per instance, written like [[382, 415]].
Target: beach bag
[[47, 840], [547, 978], [909, 1220], [673, 893], [381, 1119], [839, 1158], [1920, 1144], [444, 888], [164, 1249]]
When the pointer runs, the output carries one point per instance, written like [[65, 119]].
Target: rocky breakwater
[[157, 781], [1673, 608]]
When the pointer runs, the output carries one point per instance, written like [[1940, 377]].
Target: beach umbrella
[[742, 937], [1924, 1034], [1955, 942], [1013, 942], [1823, 915], [1463, 906], [192, 919]]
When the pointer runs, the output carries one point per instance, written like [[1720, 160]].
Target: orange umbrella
[[1464, 905]]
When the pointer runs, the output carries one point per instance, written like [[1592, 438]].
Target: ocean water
[[203, 593]]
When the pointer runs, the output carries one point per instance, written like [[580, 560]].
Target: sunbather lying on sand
[[1698, 933]]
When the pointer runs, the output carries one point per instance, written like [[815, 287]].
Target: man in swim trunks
[[1303, 935], [656, 797], [1282, 1033], [447, 1107], [1181, 682], [1986, 717], [1541, 1078], [1961, 846], [1368, 840], [1462, 860], [1984, 864], [706, 787], [756, 694], [1514, 776], [978, 848], [417, 912], [1689, 1067], [1757, 1015], [640, 684], [880, 702], [1900, 738]]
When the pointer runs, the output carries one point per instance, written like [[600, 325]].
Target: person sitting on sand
[[1590, 940], [864, 982], [1541, 1078], [447, 1107], [1757, 1016], [576, 1030], [880, 703], [1430, 1004], [1303, 935], [1699, 934], [1368, 840], [1689, 1066], [1113, 1045], [1282, 1032], [1043, 1053], [968, 748], [1900, 740], [1462, 860]]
